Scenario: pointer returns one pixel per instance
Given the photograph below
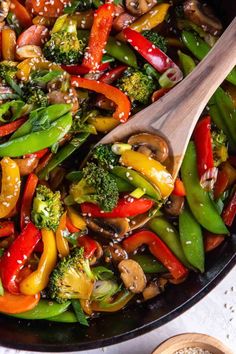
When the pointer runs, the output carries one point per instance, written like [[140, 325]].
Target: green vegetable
[[73, 238], [136, 180], [42, 117], [47, 208], [72, 278], [8, 68], [184, 24], [43, 78], [79, 313], [74, 176], [102, 273], [11, 110], [63, 154], [158, 40], [192, 239], [35, 96], [78, 5], [14, 23], [187, 63], [150, 71], [138, 86], [200, 49], [97, 186], [166, 231], [122, 184], [149, 264], [119, 148], [65, 317], [38, 140], [104, 289], [219, 145], [44, 310], [64, 47], [198, 199], [104, 156], [12, 83]]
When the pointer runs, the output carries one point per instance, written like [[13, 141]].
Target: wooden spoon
[[174, 116]]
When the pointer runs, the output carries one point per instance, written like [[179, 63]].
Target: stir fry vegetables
[[87, 228]]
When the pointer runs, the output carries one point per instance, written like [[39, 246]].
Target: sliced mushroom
[[4, 9], [29, 51], [57, 96], [174, 205], [202, 15], [139, 221], [151, 290], [123, 20], [56, 177], [104, 103], [115, 253], [27, 165], [132, 276], [97, 255], [139, 7], [112, 228], [151, 145]]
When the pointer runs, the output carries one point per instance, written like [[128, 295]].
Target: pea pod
[[149, 264], [169, 235], [135, 179], [199, 200], [192, 239], [65, 317], [122, 184], [51, 113], [63, 154], [119, 50], [187, 63], [44, 310], [39, 140], [200, 49]]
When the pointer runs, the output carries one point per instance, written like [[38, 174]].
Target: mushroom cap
[[132, 275]]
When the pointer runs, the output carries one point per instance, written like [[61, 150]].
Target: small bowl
[[192, 340]]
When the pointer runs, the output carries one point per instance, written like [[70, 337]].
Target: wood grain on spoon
[[174, 116]]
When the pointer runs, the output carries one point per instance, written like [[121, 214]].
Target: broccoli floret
[[96, 186], [72, 278], [137, 85], [7, 69], [158, 40], [36, 97], [47, 208], [219, 144], [64, 47], [104, 156]]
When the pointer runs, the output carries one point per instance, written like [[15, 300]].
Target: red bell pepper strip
[[83, 70], [71, 228], [88, 244], [229, 211], [39, 154], [159, 93], [21, 13], [211, 241], [221, 183], [17, 255], [7, 228], [179, 189], [100, 30], [126, 207], [203, 143], [10, 128], [118, 97], [113, 74], [27, 199], [158, 59], [159, 249]]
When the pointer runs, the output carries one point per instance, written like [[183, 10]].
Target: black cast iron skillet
[[134, 320]]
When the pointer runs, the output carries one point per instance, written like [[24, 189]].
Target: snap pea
[[200, 49], [66, 317], [149, 264], [198, 199], [122, 184], [191, 239], [51, 113], [39, 140], [43, 310], [134, 178], [187, 63], [169, 235], [119, 50], [74, 176], [63, 154]]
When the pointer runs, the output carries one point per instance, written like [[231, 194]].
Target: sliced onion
[[209, 178], [170, 77]]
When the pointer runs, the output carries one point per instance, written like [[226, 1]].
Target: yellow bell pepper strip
[[77, 220], [155, 172], [61, 242], [38, 280], [8, 44], [149, 20], [103, 124], [121, 300], [12, 304], [10, 190], [118, 97], [27, 65]]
